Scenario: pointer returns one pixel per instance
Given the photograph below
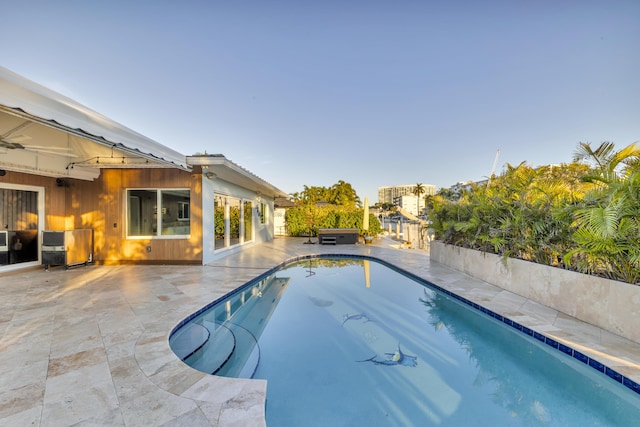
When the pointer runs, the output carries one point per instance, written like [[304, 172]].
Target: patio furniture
[[338, 236]]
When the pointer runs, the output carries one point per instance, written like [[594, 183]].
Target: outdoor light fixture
[[100, 161]]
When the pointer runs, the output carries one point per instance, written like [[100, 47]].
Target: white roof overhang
[[46, 133], [217, 166]]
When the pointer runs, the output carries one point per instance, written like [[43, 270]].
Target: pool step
[[233, 350], [189, 339], [244, 360], [217, 350]]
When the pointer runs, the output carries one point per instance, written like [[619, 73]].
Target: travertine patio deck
[[88, 346]]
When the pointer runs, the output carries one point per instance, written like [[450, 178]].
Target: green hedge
[[304, 219]]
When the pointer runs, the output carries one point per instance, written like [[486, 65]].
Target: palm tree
[[608, 164], [418, 191], [607, 221]]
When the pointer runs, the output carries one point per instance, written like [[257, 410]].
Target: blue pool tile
[[551, 342], [613, 374], [527, 331], [538, 336], [596, 365], [517, 325], [581, 357], [565, 349], [495, 315], [508, 321], [631, 384]]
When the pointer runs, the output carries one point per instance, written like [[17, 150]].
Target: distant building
[[461, 186], [391, 193], [466, 185], [409, 204]]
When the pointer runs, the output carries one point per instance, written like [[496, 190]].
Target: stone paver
[[90, 345]]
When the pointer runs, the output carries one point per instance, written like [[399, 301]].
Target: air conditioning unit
[[68, 248]]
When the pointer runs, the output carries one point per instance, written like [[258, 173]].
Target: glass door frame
[[41, 216]]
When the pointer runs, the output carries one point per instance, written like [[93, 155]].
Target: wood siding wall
[[100, 205], [54, 196]]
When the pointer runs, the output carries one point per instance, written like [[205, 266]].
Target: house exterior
[[279, 215], [66, 167]]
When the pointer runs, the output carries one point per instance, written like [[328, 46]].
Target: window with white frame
[[158, 212], [183, 211]]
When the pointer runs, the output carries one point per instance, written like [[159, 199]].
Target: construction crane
[[495, 162]]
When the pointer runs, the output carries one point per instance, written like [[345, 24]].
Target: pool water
[[352, 342]]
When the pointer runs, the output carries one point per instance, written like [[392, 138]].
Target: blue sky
[[374, 93]]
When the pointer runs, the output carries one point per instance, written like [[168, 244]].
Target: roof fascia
[[219, 160]]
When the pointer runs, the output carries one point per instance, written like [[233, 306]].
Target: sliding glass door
[[232, 221]]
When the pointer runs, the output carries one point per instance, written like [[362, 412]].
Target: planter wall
[[608, 304]]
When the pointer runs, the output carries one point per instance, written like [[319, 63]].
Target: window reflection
[[175, 212], [232, 220], [248, 221], [149, 209], [19, 221], [218, 220]]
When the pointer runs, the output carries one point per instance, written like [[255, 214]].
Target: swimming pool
[[350, 341]]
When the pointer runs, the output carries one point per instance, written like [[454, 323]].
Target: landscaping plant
[[583, 215]]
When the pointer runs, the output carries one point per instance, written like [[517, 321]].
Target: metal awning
[[44, 132]]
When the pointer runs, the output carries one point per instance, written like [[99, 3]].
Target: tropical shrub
[[607, 234], [522, 213], [584, 215]]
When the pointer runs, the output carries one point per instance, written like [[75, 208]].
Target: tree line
[[337, 206], [339, 194]]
